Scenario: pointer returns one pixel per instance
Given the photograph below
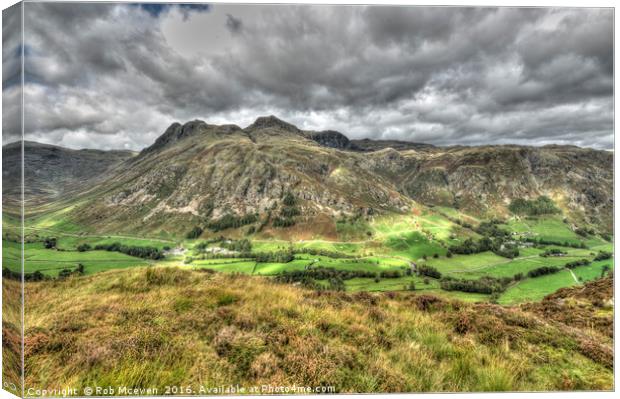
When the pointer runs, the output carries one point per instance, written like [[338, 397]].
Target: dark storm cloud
[[116, 75]]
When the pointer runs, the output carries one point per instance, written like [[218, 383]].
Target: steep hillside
[[196, 174], [52, 171], [166, 326]]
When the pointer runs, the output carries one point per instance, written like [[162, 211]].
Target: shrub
[[603, 255], [194, 233], [64, 273], [541, 271], [577, 263], [289, 199], [84, 247], [429, 271], [50, 242], [390, 274]]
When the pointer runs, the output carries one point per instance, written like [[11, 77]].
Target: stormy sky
[[116, 75]]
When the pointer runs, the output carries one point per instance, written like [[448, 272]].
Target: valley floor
[[390, 308]]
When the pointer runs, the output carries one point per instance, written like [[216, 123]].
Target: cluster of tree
[[553, 252], [84, 247], [577, 263], [288, 212], [469, 246], [64, 273], [50, 242], [286, 217], [483, 285], [283, 221], [491, 229], [334, 277], [324, 252], [243, 245], [390, 274], [133, 250], [194, 233], [273, 257], [38, 276], [202, 245], [540, 206], [543, 270], [232, 255], [231, 221], [496, 245], [542, 242], [584, 232], [509, 251], [289, 199], [10, 274], [429, 271], [603, 255]]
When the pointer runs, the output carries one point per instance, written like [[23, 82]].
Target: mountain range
[[198, 172]]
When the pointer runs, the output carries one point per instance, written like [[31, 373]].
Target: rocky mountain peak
[[267, 122], [176, 132], [332, 139]]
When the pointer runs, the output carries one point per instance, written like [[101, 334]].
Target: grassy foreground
[[158, 326]]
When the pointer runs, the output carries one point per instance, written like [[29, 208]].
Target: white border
[[505, 3]]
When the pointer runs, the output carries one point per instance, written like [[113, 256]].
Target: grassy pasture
[[545, 227], [464, 263], [412, 245], [227, 265], [50, 262], [535, 289], [592, 271], [518, 265]]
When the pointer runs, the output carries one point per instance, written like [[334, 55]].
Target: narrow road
[[574, 277]]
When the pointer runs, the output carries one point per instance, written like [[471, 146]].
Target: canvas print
[[207, 199]]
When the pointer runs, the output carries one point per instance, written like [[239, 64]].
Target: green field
[[535, 289], [50, 262], [550, 228], [386, 243]]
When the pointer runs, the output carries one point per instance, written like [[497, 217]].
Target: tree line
[[133, 250]]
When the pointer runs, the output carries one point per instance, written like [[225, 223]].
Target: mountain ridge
[[197, 172]]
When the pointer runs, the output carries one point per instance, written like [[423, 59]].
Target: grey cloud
[[440, 75], [233, 24]]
